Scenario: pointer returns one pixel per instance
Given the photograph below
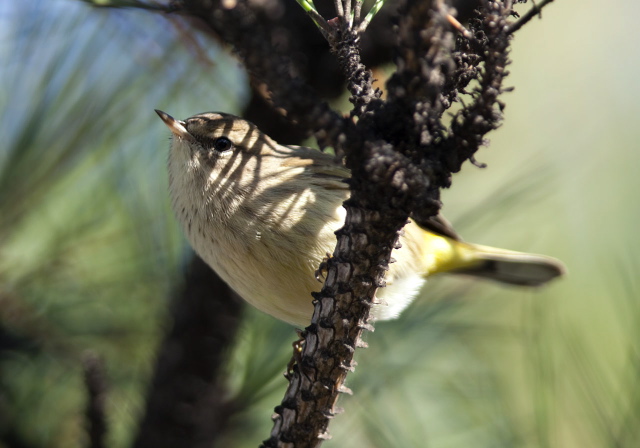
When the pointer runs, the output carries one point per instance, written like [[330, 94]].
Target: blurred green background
[[90, 251]]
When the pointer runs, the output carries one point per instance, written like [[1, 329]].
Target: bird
[[263, 216]]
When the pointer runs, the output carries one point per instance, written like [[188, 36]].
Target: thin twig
[[319, 21], [356, 12], [457, 25], [347, 12], [338, 6], [535, 10], [372, 12], [310, 9]]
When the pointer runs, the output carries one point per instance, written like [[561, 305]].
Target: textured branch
[[484, 114], [398, 168], [535, 11], [354, 272], [360, 80], [314, 62], [417, 100], [341, 314]]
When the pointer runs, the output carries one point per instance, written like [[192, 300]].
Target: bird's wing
[[321, 168], [324, 171], [440, 226]]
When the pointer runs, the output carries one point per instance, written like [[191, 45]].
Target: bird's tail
[[515, 268]]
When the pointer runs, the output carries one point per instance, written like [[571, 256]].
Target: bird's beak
[[177, 127]]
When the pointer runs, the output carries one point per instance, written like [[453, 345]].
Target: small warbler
[[263, 216]]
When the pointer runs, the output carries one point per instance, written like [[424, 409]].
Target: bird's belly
[[268, 275], [267, 271]]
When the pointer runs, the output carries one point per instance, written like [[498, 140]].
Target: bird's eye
[[222, 144]]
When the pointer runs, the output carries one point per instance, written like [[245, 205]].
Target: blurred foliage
[[90, 252]]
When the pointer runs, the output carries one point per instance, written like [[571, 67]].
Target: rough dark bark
[[340, 316], [398, 169]]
